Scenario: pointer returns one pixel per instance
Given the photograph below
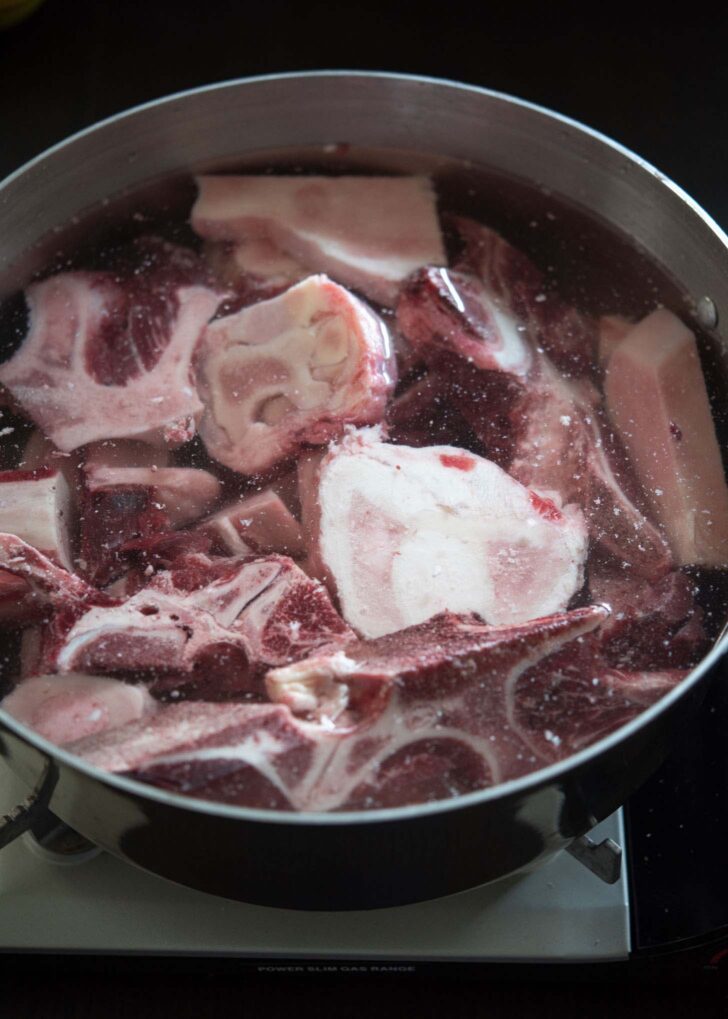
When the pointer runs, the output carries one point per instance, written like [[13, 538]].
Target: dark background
[[655, 81]]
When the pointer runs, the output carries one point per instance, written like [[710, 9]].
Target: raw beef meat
[[491, 491], [36, 506], [653, 625], [18, 604], [546, 429], [246, 613], [290, 371], [367, 232], [656, 397], [425, 415], [67, 708], [255, 268], [405, 533], [259, 523], [453, 705], [121, 503], [565, 334], [246, 752], [440, 309], [108, 356], [256, 755], [50, 583]]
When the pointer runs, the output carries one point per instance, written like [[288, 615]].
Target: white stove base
[[557, 913]]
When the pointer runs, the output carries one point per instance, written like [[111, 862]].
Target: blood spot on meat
[[548, 509], [457, 461]]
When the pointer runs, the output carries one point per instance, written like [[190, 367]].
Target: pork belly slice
[[568, 336], [71, 707], [108, 357], [404, 533], [290, 371], [653, 624], [258, 523], [214, 625], [657, 399], [441, 309], [36, 506], [366, 232]]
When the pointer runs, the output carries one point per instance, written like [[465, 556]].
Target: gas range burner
[[61, 894], [557, 912]]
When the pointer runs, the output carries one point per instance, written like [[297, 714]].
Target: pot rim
[[516, 787]]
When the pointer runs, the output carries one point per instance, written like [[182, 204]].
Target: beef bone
[[453, 705], [366, 232], [36, 506], [247, 613], [289, 371], [549, 431], [403, 533], [108, 357], [568, 336]]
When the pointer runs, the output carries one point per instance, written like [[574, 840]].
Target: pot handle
[[604, 859], [22, 817]]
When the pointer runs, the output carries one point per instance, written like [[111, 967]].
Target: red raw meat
[[246, 613], [258, 523], [444, 310], [452, 705], [425, 415], [67, 708], [50, 583], [547, 430], [108, 355], [126, 498], [290, 371], [653, 625], [250, 754], [438, 710], [568, 336]]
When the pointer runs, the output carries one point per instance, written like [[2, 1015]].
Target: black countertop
[[658, 83]]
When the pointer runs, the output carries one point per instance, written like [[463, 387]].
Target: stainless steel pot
[[385, 857]]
